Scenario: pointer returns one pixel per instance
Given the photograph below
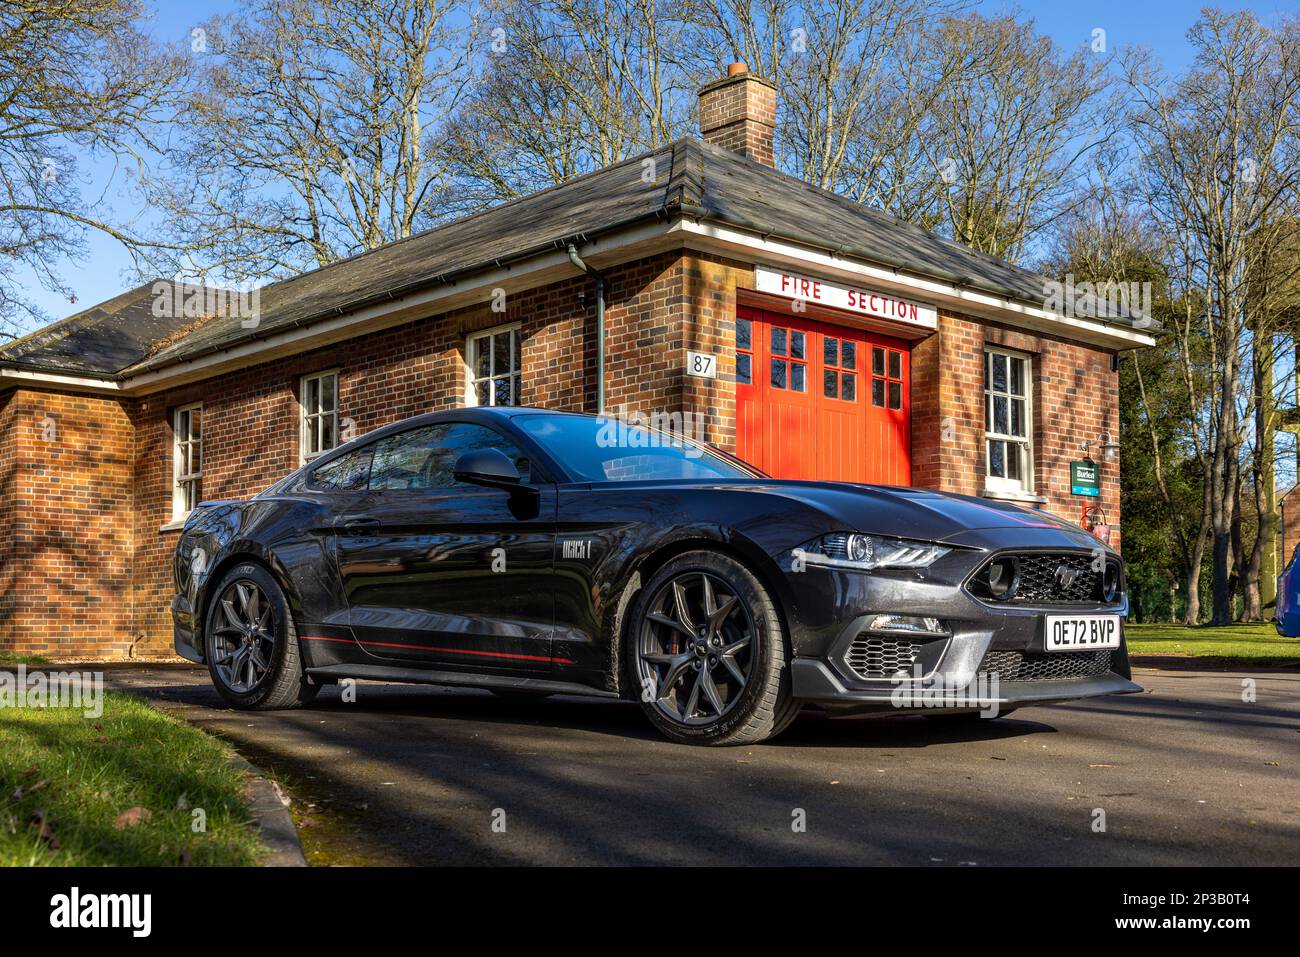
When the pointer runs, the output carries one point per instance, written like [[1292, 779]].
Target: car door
[[446, 574]]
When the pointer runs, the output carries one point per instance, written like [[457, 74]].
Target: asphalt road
[[1185, 774]]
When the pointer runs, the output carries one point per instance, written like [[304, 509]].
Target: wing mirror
[[490, 467]]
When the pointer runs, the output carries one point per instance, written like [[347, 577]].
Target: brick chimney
[[738, 113]]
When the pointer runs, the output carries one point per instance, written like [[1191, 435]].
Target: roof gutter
[[599, 276]]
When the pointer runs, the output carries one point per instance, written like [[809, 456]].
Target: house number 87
[[702, 364]]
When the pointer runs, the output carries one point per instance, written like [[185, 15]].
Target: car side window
[[346, 473], [423, 458]]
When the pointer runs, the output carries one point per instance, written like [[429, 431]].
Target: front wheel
[[709, 654], [252, 645]]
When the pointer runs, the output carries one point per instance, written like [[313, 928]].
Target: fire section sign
[[866, 302]]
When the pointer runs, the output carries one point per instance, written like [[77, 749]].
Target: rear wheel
[[252, 645], [709, 655]]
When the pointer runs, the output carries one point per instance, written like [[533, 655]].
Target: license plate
[[1080, 632]]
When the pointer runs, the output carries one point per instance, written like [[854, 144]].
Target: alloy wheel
[[243, 641], [696, 648]]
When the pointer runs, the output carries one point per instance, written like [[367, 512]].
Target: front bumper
[[815, 683], [990, 652]]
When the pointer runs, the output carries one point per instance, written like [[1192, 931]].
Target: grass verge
[[121, 789], [1252, 644], [10, 658]]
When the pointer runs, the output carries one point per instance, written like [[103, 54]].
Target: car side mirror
[[490, 467]]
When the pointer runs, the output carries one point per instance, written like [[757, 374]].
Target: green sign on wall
[[1085, 478]]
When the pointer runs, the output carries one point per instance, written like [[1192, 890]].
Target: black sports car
[[536, 552]]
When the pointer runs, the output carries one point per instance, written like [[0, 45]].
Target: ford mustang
[[532, 552]]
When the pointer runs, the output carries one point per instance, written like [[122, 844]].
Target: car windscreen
[[608, 449]]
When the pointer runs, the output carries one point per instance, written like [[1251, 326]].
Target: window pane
[[849, 357], [481, 394], [514, 350], [349, 473], [517, 379], [196, 424], [778, 342], [742, 334], [1000, 414], [895, 395], [997, 464], [501, 391], [999, 373], [895, 365], [878, 393], [327, 387], [831, 351], [778, 374], [405, 460], [796, 344], [797, 376], [830, 383], [850, 386], [877, 361], [1017, 376], [744, 368], [481, 363], [328, 426], [501, 354], [1017, 417], [1013, 461], [311, 401]]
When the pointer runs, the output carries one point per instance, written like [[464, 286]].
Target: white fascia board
[[778, 253], [63, 382]]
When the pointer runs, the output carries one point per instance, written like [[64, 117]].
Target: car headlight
[[863, 552]]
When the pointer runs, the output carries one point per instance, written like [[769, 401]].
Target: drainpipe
[[600, 324]]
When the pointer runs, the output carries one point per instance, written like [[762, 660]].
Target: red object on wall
[[820, 401]]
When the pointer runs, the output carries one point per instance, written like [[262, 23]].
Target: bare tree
[[78, 80], [307, 137], [1013, 129], [1220, 163], [567, 87]]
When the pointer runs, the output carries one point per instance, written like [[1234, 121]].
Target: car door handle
[[357, 523]]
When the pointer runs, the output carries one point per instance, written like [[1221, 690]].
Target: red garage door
[[820, 401]]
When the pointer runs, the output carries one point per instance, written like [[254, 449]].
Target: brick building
[[810, 335]]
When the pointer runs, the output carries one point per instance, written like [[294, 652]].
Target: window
[[423, 458], [886, 378], [493, 358], [839, 369], [744, 352], [1009, 464], [789, 364], [187, 460], [320, 414], [594, 451], [348, 473]]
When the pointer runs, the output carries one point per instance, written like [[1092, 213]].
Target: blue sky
[[1158, 24]]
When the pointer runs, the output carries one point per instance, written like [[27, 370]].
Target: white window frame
[[183, 443], [472, 379], [305, 454], [1024, 445]]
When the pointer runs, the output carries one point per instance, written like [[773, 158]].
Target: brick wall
[[65, 550]]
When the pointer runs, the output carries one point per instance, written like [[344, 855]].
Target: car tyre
[[251, 643], [704, 619]]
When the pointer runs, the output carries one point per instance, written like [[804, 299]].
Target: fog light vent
[[879, 656]]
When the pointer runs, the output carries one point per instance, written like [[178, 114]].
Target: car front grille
[[1054, 666], [878, 656], [1049, 578]]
